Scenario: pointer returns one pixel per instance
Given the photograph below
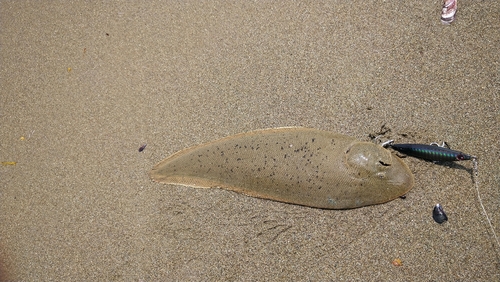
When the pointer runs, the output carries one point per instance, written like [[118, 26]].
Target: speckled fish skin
[[300, 166]]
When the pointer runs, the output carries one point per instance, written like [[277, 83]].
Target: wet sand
[[84, 85]]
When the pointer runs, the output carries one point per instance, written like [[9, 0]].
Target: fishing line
[[475, 173]]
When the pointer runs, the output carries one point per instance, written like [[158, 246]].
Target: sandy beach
[[85, 84]]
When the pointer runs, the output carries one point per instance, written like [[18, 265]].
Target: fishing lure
[[429, 152]]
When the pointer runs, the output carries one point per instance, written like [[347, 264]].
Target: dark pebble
[[438, 214]]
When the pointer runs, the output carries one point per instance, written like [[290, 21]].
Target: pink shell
[[448, 12]]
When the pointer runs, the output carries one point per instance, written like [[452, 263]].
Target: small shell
[[448, 12], [438, 214], [294, 165], [397, 262]]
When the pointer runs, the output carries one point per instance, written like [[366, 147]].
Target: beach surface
[[85, 84]]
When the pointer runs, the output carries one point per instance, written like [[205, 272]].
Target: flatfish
[[299, 166]]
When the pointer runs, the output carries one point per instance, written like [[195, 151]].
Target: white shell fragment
[[293, 165], [449, 11]]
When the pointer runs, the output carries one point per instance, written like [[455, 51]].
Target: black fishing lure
[[429, 152]]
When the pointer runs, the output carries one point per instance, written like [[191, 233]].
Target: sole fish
[[300, 166]]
